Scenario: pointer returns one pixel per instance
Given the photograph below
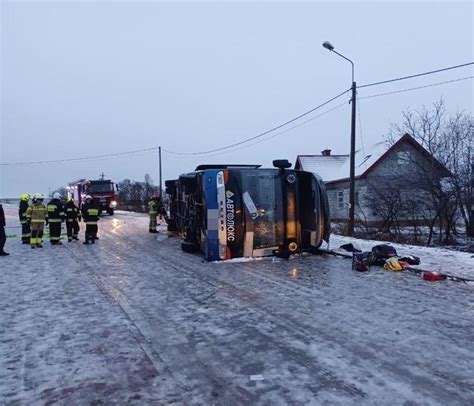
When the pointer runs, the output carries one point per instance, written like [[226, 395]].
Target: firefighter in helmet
[[155, 208], [25, 226], [73, 217], [90, 215], [37, 215], [153, 213], [56, 216]]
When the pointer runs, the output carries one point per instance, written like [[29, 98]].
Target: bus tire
[[110, 211]]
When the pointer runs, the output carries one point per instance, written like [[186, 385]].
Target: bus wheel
[[188, 246], [110, 211]]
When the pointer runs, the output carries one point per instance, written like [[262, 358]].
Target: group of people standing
[[34, 217]]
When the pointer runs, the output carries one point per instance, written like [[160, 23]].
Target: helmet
[[56, 195], [88, 197], [25, 197], [39, 196], [393, 265]]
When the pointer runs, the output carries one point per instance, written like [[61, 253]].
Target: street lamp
[[350, 225]]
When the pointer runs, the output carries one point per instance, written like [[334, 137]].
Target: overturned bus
[[230, 211]]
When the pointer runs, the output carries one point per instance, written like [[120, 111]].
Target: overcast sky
[[91, 78]]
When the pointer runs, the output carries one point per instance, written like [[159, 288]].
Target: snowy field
[[133, 320]]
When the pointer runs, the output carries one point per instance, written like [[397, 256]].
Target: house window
[[340, 199], [403, 157]]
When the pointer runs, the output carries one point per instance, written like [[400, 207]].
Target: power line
[[416, 75], [82, 158], [172, 152], [272, 136], [261, 134], [145, 150], [415, 88]]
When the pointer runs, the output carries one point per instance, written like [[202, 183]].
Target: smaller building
[[391, 167]]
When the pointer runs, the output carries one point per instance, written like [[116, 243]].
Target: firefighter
[[37, 215], [56, 216], [155, 208], [3, 236], [90, 215], [25, 226], [153, 212], [73, 217]]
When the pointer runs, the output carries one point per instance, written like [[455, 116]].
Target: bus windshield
[[100, 187], [262, 196]]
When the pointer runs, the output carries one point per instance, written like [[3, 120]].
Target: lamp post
[[350, 225]]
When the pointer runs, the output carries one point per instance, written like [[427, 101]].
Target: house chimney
[[326, 152]]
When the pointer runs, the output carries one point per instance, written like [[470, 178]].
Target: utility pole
[[161, 185], [350, 224]]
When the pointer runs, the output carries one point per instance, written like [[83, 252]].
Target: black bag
[[380, 253], [411, 260]]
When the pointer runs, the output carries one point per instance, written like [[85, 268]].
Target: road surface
[[133, 320]]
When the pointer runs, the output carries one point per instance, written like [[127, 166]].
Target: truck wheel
[[110, 211], [188, 246]]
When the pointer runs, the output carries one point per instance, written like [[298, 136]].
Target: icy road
[[133, 320]]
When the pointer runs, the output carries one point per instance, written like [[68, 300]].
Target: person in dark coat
[[56, 216], [73, 216], [3, 237], [90, 215]]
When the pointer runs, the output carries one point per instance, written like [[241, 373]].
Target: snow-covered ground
[[133, 320]]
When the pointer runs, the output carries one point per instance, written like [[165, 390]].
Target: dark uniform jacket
[[3, 237], [2, 217], [22, 211], [72, 212], [90, 212], [55, 211]]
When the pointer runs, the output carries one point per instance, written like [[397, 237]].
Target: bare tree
[[449, 141], [134, 195], [385, 200]]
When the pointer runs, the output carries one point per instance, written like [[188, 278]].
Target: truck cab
[[103, 192]]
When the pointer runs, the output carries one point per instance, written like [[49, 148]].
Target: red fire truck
[[103, 191]]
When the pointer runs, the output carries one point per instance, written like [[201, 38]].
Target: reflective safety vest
[[90, 213], [37, 213], [152, 207], [55, 211], [22, 211]]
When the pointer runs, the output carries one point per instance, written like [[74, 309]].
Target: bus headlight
[[292, 246], [113, 204]]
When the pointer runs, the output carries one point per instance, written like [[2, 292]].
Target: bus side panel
[[210, 243]]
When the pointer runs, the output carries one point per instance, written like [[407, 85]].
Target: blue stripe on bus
[[210, 197]]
